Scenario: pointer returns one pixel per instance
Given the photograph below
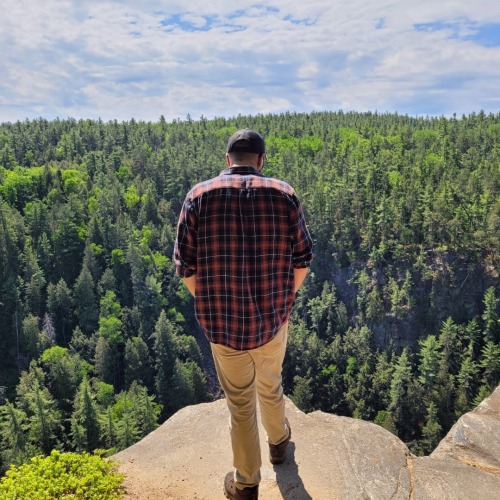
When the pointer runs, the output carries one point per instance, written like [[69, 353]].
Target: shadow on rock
[[288, 478]]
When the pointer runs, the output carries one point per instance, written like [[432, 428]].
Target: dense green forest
[[397, 322]]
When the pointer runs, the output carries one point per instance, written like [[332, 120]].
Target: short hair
[[240, 157]]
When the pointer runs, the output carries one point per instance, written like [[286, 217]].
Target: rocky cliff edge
[[329, 457]]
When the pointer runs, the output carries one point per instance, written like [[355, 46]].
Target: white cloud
[[308, 71], [119, 59]]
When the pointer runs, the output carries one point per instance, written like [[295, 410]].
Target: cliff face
[[453, 287], [330, 457]]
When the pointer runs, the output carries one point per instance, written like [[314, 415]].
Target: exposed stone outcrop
[[330, 457], [475, 438]]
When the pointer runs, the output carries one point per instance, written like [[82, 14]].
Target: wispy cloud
[[124, 59], [487, 35]]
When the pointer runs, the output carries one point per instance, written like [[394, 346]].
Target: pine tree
[[466, 383], [127, 429], [165, 367], [64, 374], [329, 384], [45, 419], [85, 301], [431, 433], [189, 384], [150, 413], [137, 362], [473, 333], [45, 256], [397, 298], [450, 347], [399, 406], [430, 360], [31, 336], [110, 324], [104, 361], [483, 393], [60, 305], [14, 443], [35, 283], [25, 385], [82, 345], [302, 394], [374, 305], [9, 293], [146, 410], [78, 437], [85, 417], [107, 283], [109, 429], [322, 311], [381, 381], [490, 363], [490, 317]]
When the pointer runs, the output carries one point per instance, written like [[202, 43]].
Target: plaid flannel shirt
[[242, 234]]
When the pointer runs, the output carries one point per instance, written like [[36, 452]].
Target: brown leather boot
[[277, 452], [233, 493]]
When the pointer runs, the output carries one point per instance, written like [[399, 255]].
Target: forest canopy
[[398, 321]]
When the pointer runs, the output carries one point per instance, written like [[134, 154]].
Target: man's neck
[[244, 165]]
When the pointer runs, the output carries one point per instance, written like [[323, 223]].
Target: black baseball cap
[[246, 141]]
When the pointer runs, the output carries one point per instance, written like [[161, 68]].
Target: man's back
[[244, 233]]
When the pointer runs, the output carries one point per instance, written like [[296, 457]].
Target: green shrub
[[63, 476]]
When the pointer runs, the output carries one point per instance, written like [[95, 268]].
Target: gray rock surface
[[475, 438], [329, 457]]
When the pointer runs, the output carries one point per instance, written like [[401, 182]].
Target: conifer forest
[[397, 322]]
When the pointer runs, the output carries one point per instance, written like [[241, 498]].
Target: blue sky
[[128, 59]]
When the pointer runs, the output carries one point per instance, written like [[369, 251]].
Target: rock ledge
[[329, 457]]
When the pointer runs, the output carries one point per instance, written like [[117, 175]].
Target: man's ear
[[260, 161], [228, 161]]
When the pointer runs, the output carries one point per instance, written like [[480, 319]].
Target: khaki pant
[[243, 375]]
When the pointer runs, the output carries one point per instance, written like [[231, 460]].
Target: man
[[243, 250]]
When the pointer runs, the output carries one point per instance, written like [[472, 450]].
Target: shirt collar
[[241, 170]]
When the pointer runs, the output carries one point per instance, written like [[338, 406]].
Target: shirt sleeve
[[185, 248], [302, 245]]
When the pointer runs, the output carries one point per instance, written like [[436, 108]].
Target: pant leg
[[236, 373], [268, 361]]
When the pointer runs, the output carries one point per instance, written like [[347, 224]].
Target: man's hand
[[299, 275], [190, 284]]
